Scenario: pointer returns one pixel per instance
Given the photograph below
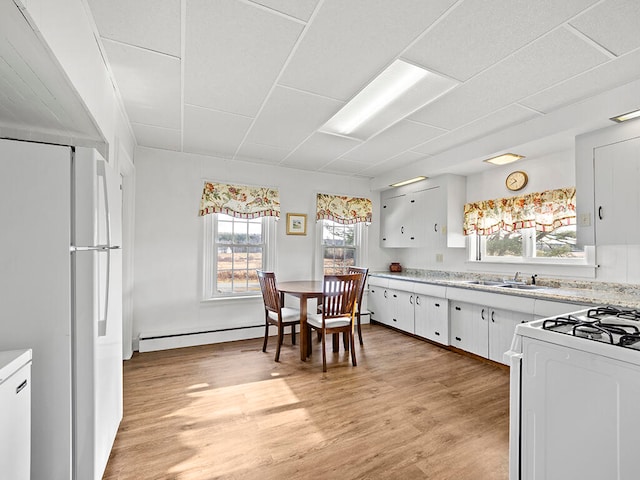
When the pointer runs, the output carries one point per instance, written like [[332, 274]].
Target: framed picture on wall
[[296, 224]]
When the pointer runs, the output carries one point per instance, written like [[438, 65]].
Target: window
[[234, 249], [527, 243], [341, 246]]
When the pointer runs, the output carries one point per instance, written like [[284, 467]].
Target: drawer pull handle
[[458, 339], [458, 308], [21, 387], [437, 333], [437, 304]]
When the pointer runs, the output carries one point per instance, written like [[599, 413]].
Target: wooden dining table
[[303, 290]]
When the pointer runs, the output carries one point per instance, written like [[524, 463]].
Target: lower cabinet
[[431, 319], [483, 330]]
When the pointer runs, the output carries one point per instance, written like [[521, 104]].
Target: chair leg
[[293, 334], [280, 338], [335, 342], [324, 352], [359, 331], [309, 346], [318, 334], [345, 340], [266, 336], [353, 348]]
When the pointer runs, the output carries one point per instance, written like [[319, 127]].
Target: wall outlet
[[439, 258], [584, 220]]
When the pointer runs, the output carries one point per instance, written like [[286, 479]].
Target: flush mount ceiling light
[[407, 182], [504, 158], [400, 90], [626, 116]]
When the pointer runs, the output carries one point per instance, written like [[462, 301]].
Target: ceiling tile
[[475, 35], [262, 153], [342, 166], [151, 24], [349, 43], [300, 9], [614, 24], [396, 139], [605, 77], [319, 150], [149, 83], [156, 137], [555, 57], [213, 133], [234, 52], [506, 117], [290, 116]]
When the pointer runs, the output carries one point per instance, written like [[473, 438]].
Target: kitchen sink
[[488, 283], [522, 286]]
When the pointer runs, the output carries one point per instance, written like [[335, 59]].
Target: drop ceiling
[[256, 80]]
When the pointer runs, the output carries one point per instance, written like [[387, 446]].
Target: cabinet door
[[461, 319], [502, 325], [402, 310], [617, 169], [377, 303], [434, 217], [431, 320], [394, 218], [480, 331]]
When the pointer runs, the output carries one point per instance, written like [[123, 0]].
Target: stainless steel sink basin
[[522, 286], [488, 283]]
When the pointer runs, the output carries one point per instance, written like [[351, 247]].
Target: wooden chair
[[339, 297], [274, 313], [362, 271]]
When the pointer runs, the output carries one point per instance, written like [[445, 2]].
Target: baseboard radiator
[[150, 342]]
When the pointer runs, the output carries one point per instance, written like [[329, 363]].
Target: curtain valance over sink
[[342, 209], [240, 201], [544, 211]]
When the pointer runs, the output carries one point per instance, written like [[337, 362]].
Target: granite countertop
[[570, 291]]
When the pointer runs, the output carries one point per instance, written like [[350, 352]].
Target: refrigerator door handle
[[104, 313], [102, 174]]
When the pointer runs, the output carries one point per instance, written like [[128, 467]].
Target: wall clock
[[516, 180]]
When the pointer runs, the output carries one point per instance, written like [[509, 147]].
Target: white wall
[[168, 249]]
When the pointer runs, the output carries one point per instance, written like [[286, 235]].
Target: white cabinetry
[[617, 197], [431, 316], [376, 301], [429, 217], [483, 323], [15, 414]]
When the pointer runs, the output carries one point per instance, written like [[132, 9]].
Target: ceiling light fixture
[[407, 182], [626, 116], [504, 158], [400, 90]]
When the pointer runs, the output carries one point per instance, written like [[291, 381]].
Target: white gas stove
[[575, 390]]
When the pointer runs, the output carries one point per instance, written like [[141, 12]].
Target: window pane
[[225, 230], [224, 281], [255, 232], [254, 258], [239, 231], [561, 242], [504, 244]]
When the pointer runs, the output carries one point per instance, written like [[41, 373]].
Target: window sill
[[230, 299]]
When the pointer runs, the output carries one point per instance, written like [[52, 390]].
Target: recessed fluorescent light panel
[[407, 182], [626, 116], [504, 159], [400, 90]]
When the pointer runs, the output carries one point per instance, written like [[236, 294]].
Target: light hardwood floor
[[409, 410]]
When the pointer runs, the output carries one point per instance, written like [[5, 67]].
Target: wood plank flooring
[[409, 410]]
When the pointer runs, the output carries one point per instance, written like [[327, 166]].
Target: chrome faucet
[[515, 277]]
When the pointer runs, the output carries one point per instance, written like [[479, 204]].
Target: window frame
[[360, 240], [210, 257]]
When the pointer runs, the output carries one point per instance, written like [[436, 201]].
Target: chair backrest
[[270, 293], [364, 272], [340, 294]]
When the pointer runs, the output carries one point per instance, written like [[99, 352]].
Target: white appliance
[[15, 414], [575, 391], [60, 289]]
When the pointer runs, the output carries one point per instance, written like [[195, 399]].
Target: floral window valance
[[545, 211], [240, 201], [342, 209]]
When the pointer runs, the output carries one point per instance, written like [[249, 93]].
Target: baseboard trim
[[151, 342]]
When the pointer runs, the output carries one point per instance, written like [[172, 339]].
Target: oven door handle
[[514, 359]]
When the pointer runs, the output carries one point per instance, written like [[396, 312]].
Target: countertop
[[569, 291]]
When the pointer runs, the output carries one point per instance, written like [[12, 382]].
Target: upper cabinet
[[429, 217], [616, 193], [607, 197]]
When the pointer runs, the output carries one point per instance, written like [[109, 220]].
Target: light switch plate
[[584, 219]]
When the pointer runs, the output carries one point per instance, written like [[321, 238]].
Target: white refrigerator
[[61, 296]]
